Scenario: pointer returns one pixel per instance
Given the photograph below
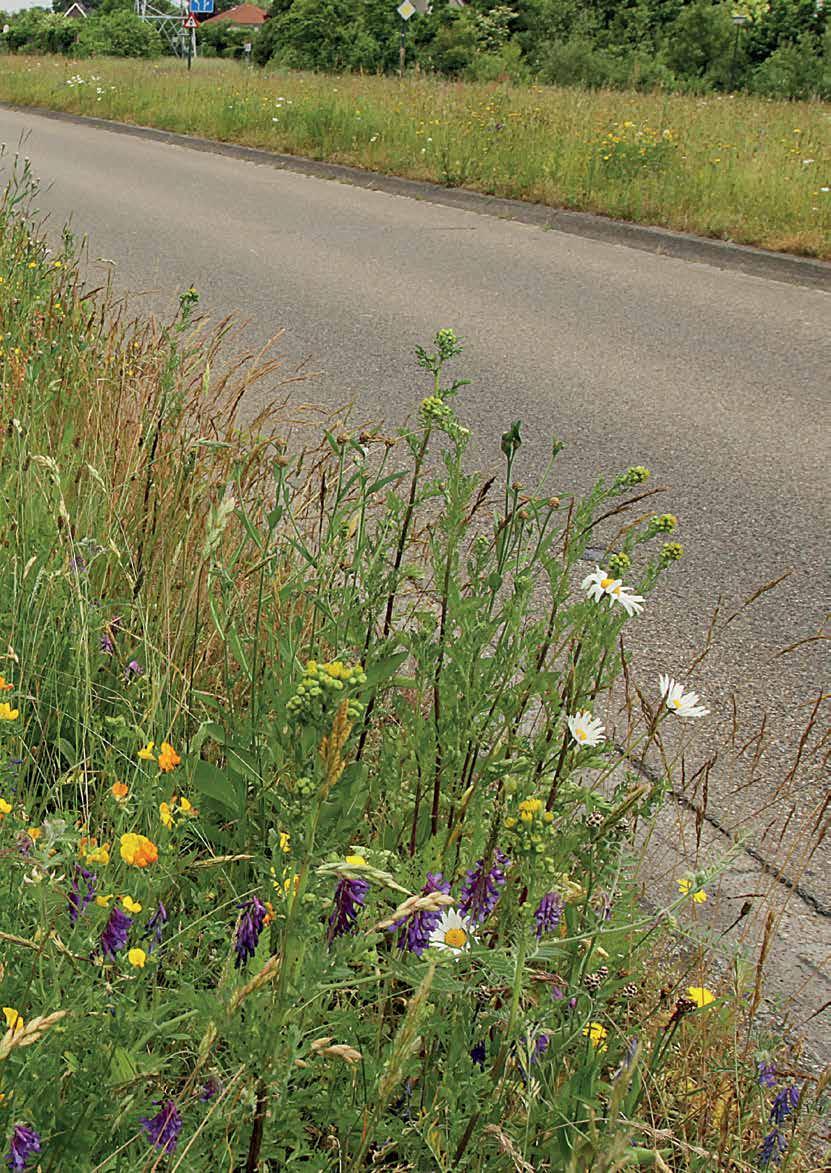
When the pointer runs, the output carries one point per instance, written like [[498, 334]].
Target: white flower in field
[[585, 729], [631, 603], [452, 932], [683, 704], [598, 584]]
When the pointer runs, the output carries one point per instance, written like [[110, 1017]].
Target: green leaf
[[215, 785], [383, 669]]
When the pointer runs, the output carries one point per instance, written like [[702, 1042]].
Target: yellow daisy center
[[581, 734], [455, 938], [676, 703], [606, 582]]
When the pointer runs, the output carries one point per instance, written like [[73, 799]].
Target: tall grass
[[727, 166], [268, 714]]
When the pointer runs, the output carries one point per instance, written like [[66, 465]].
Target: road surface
[[717, 381]]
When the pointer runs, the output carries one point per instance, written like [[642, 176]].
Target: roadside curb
[[741, 258]]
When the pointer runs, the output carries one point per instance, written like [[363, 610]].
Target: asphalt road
[[717, 381]]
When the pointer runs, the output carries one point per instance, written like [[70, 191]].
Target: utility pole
[[405, 10]]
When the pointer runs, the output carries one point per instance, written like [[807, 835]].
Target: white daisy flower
[[631, 603], [683, 704], [599, 584], [585, 730], [452, 932]]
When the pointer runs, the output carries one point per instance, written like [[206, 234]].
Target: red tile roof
[[242, 14]]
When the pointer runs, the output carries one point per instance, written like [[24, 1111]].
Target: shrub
[[793, 71], [699, 44], [117, 34]]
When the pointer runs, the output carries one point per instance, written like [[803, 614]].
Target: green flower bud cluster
[[321, 685], [305, 787], [635, 475], [618, 563], [448, 344], [671, 552], [664, 523]]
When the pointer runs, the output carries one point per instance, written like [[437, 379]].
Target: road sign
[[406, 10], [190, 22], [202, 7]]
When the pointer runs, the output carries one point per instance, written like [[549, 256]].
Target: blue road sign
[[202, 7]]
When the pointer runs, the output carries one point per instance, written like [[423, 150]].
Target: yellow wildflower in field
[[701, 996], [685, 886], [355, 861], [103, 901], [7, 713], [138, 850], [168, 758], [596, 1033], [137, 957], [130, 904], [5, 808], [90, 852], [34, 833], [14, 1021], [147, 754], [166, 815], [119, 791]]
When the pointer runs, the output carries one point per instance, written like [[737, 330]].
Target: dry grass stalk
[[31, 1033], [266, 975], [431, 902]]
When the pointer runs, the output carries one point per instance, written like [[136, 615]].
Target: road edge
[[751, 261]]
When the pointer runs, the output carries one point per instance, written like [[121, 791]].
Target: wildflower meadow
[[317, 848], [729, 166]]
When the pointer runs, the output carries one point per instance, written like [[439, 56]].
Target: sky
[[19, 5]]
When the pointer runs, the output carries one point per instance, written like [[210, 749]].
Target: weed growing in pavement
[[316, 851], [740, 168]]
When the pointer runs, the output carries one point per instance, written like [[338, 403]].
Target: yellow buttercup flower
[[7, 713], [168, 758], [147, 754], [137, 957], [14, 1022], [701, 996], [685, 887], [130, 904], [5, 808]]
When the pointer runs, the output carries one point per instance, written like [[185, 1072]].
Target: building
[[76, 11], [243, 16]]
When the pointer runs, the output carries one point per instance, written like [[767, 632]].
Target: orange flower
[[4, 684], [168, 758], [138, 851], [120, 790]]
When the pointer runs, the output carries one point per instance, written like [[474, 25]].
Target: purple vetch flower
[[350, 896], [415, 931], [210, 1088], [548, 913], [479, 1053], [25, 1141], [773, 1149], [107, 644], [24, 843], [482, 889], [155, 927], [249, 926], [133, 671], [115, 932], [77, 564], [767, 1074], [784, 1103], [163, 1129], [540, 1047], [77, 899]]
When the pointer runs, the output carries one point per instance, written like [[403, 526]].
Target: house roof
[[242, 14], [76, 9]]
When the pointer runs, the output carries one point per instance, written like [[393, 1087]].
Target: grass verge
[[731, 167], [316, 852]]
